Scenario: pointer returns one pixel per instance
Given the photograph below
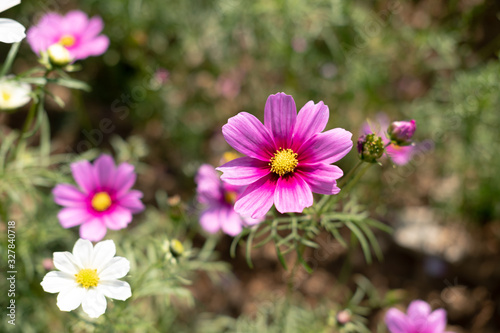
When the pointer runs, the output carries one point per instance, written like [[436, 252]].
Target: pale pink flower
[[218, 198]]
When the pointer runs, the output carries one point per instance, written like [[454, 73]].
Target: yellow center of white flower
[[101, 201], [283, 161], [6, 96], [67, 41], [87, 277]]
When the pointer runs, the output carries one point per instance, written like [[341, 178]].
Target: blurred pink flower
[[75, 31], [102, 201], [400, 155], [219, 197], [288, 158], [419, 319]]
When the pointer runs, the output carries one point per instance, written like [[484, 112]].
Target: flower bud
[[343, 317], [59, 55], [401, 132], [370, 147]]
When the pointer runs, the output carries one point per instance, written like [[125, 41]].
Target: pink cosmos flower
[[400, 155], [219, 198], [419, 319], [102, 201], [288, 158], [75, 31]]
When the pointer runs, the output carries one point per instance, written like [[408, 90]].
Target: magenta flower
[[419, 319], [288, 158], [402, 131], [219, 197], [400, 155], [104, 199], [75, 31]]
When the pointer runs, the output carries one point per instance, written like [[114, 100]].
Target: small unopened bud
[[401, 132], [343, 317], [370, 147], [176, 248], [59, 55]]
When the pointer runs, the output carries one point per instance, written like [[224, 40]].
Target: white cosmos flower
[[86, 276], [10, 31], [13, 94]]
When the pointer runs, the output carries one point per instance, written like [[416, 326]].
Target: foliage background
[[433, 61]]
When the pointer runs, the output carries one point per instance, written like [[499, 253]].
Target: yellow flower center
[[283, 161], [87, 277], [230, 197], [101, 201], [6, 96], [67, 41]]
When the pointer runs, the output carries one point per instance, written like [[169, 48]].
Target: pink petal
[[280, 115], [209, 187], [230, 221], [132, 201], [94, 27], [45, 33], [312, 119], [68, 195], [418, 309], [104, 167], [117, 219], [292, 194], [397, 322], [124, 179], [258, 197], [436, 322], [93, 230], [74, 23], [326, 147], [246, 134], [83, 172], [400, 155], [321, 177], [73, 216], [210, 219], [244, 170]]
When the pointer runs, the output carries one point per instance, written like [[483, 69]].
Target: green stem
[[346, 178], [10, 59]]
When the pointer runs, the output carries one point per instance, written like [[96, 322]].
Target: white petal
[[6, 4], [83, 252], [66, 262], [94, 303], [11, 31], [70, 298], [117, 268], [103, 252], [115, 289], [55, 281]]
